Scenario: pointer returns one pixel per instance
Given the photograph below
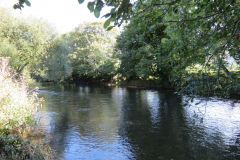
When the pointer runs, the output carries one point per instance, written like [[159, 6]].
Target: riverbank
[[192, 87], [18, 106]]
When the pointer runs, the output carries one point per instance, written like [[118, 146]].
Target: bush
[[13, 147], [17, 105], [17, 109]]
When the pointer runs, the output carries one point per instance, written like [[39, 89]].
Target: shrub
[[17, 109], [17, 105]]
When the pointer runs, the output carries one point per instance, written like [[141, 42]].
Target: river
[[102, 123]]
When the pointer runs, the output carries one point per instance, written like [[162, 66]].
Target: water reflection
[[219, 119], [98, 123]]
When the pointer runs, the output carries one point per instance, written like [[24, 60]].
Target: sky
[[64, 15]]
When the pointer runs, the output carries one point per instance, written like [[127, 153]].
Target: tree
[[138, 45], [210, 20], [57, 66], [188, 42], [85, 53], [180, 36], [25, 42], [92, 54]]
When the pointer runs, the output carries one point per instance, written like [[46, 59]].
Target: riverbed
[[103, 123]]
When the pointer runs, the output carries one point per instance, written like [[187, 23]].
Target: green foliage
[[85, 53], [13, 147], [17, 106], [57, 64], [165, 39], [92, 55], [17, 110], [141, 52], [24, 42]]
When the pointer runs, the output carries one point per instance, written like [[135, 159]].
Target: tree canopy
[[193, 44], [25, 42], [84, 53]]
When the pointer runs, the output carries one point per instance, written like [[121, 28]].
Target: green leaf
[[97, 12], [90, 6], [109, 28], [27, 3], [80, 1], [107, 15], [98, 8], [107, 23]]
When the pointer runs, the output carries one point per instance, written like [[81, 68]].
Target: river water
[[100, 123]]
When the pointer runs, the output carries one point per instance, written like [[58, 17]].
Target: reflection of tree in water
[[90, 113], [175, 135], [159, 140], [152, 125], [59, 123]]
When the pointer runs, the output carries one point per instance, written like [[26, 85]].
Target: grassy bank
[[18, 106]]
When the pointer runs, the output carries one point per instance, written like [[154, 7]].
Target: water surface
[[99, 123]]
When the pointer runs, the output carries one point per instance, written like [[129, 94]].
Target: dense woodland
[[189, 45]]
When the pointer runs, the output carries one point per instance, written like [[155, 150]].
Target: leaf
[[90, 6], [109, 28], [98, 8], [27, 3], [97, 12], [80, 1], [106, 15], [107, 23]]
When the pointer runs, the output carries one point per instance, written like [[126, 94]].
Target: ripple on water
[[127, 124]]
